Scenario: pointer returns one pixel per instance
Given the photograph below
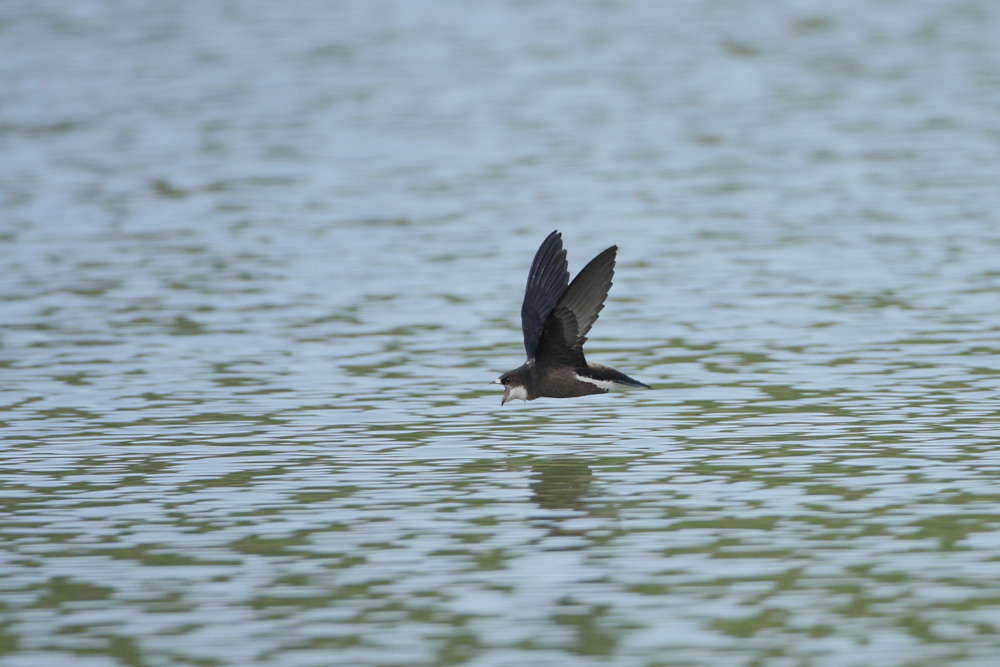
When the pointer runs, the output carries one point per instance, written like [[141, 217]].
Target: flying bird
[[555, 318]]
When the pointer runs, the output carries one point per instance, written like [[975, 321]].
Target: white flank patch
[[606, 385]]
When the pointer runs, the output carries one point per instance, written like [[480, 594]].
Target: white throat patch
[[520, 393]]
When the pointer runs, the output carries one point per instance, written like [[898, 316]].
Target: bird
[[556, 316]]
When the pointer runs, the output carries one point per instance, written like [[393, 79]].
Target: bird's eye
[[505, 379]]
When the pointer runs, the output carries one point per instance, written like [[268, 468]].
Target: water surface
[[258, 263]]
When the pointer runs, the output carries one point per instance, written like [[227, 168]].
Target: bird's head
[[514, 383]]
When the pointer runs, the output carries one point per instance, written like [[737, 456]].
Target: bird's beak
[[506, 391]]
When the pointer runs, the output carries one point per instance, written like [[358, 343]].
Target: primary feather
[[547, 282]]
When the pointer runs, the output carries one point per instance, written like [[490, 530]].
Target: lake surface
[[259, 261]]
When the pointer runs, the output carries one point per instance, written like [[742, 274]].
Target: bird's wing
[[547, 282], [565, 329]]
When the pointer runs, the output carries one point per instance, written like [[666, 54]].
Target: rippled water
[[259, 261]]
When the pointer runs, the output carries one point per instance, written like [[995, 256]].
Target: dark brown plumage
[[555, 317]]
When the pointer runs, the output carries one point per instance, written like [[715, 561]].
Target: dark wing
[[565, 329], [547, 281]]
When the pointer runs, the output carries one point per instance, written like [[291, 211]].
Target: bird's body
[[555, 318]]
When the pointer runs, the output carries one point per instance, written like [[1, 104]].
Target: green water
[[259, 262]]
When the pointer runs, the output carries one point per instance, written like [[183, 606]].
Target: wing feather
[[547, 281], [565, 329]]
